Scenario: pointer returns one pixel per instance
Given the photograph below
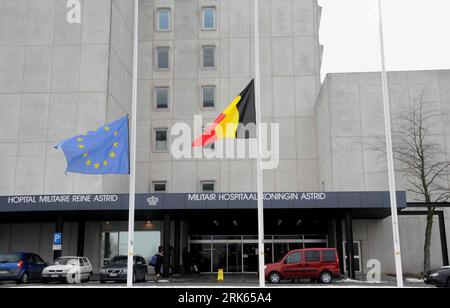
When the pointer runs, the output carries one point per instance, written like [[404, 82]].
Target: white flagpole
[[390, 157], [259, 174], [132, 145]]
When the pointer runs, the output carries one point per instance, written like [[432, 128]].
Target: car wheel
[[24, 279], [102, 281], [448, 283], [274, 277], [325, 277], [89, 277]]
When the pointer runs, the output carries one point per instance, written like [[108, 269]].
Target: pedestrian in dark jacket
[[159, 263]]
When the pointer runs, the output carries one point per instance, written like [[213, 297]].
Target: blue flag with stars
[[101, 151]]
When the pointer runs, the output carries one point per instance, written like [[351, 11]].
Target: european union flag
[[101, 151]]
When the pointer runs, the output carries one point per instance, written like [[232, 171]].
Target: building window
[[159, 186], [207, 186], [162, 58], [208, 56], [208, 96], [163, 19], [161, 139], [209, 18], [162, 97]]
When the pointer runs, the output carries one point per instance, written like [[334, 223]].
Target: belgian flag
[[227, 125]]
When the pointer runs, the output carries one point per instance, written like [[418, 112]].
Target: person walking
[[159, 263]]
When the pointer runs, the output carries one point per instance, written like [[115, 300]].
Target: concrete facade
[[59, 79], [68, 78], [350, 126], [290, 83]]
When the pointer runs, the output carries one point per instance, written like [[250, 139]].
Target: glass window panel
[[163, 19], [162, 98], [159, 186], [219, 257], [208, 95], [280, 250], [294, 246], [161, 139], [250, 257], [268, 253], [208, 57], [209, 14], [208, 186], [234, 257], [201, 257], [162, 57], [146, 243]]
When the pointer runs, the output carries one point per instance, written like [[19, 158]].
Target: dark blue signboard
[[178, 201]]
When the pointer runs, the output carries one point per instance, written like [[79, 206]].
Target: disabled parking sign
[[57, 241]]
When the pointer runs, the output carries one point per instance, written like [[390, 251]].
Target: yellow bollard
[[220, 275]]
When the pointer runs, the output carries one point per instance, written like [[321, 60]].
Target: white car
[[68, 270]]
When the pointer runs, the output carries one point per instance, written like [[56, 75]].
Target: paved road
[[234, 282]]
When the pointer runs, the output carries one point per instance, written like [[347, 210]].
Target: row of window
[[162, 58], [162, 97], [164, 19], [205, 186]]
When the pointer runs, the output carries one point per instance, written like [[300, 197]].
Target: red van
[[320, 264]]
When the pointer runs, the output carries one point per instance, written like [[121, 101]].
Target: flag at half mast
[[103, 150], [235, 121]]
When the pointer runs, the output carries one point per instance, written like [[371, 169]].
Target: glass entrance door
[[234, 257], [250, 257], [239, 254]]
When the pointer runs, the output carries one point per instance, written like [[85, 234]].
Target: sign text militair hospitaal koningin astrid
[[189, 197]]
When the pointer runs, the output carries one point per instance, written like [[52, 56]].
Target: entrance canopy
[[363, 205], [194, 201]]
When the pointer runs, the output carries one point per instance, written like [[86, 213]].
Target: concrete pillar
[[81, 236], [166, 244], [443, 237], [338, 224], [349, 245], [59, 229], [176, 248]]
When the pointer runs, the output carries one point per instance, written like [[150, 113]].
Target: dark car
[[21, 267], [320, 264], [439, 277], [116, 269]]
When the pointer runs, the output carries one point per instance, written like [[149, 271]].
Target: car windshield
[[65, 261], [118, 260], [9, 258]]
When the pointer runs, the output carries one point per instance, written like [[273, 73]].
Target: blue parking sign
[[57, 239]]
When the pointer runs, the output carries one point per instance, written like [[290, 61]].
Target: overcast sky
[[417, 35]]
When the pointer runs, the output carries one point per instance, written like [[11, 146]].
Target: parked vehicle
[[21, 267], [68, 270], [116, 269], [321, 264], [439, 277]]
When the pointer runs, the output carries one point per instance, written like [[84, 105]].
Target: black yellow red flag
[[238, 115]]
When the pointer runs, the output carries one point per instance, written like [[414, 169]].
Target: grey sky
[[416, 35]]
